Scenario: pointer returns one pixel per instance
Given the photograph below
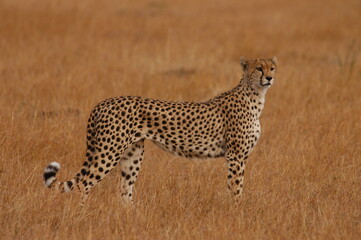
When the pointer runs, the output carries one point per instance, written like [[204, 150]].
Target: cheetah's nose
[[269, 78]]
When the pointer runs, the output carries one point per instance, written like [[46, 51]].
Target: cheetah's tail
[[50, 179]]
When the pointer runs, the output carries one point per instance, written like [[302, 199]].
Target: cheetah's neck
[[246, 95], [254, 99]]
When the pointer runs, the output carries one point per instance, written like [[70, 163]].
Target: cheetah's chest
[[257, 130]]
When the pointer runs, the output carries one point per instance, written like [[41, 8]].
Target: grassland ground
[[59, 58]]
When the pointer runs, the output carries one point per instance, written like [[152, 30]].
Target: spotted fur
[[225, 126]]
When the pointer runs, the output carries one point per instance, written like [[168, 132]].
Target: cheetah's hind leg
[[102, 163], [130, 164]]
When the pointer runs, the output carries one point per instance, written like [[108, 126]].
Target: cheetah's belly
[[191, 148]]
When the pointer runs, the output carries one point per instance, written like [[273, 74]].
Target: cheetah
[[224, 126]]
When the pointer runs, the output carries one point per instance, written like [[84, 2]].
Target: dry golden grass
[[59, 58]]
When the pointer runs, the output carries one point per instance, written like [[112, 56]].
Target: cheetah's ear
[[244, 62], [274, 60]]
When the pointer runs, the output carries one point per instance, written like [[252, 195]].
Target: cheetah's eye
[[272, 68], [259, 69]]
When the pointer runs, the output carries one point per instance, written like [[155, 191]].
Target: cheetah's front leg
[[236, 161], [235, 175]]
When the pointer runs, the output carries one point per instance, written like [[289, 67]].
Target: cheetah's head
[[260, 73]]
